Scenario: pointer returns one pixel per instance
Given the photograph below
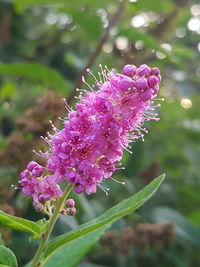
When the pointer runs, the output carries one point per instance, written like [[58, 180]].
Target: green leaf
[[7, 257], [72, 253], [20, 224], [64, 244], [45, 75]]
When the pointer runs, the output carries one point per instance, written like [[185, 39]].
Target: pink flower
[[95, 135], [40, 189], [91, 144]]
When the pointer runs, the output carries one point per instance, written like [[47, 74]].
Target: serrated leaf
[[7, 257], [62, 243], [20, 224], [39, 73]]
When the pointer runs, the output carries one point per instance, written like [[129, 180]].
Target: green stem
[[51, 224]]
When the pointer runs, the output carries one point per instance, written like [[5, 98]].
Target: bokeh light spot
[[186, 103]]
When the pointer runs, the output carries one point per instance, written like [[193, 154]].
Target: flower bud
[[153, 80], [70, 203], [41, 198], [129, 70], [25, 174], [72, 211], [125, 84], [155, 71], [45, 197], [143, 70], [141, 84], [23, 182], [38, 206], [31, 165], [37, 171], [146, 95]]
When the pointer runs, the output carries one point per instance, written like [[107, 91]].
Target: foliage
[[46, 45], [8, 258], [22, 224], [84, 236]]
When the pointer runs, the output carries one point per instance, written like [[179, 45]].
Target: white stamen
[[102, 72], [102, 188], [61, 119], [53, 126], [84, 81], [40, 154], [88, 70], [81, 90], [117, 181], [67, 106], [159, 99], [100, 78], [107, 69]]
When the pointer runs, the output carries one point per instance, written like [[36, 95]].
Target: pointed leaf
[[20, 224], [61, 244], [71, 254]]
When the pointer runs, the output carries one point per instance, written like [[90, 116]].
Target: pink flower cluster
[[88, 148], [40, 188]]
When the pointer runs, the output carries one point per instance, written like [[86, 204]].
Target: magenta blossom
[[91, 144], [40, 188]]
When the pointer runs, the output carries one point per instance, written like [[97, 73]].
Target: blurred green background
[[45, 48]]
